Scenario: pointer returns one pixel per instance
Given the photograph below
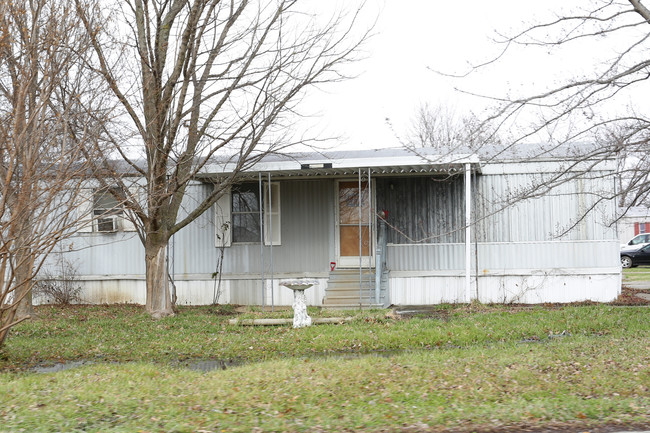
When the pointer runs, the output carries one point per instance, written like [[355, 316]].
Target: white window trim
[[86, 217], [223, 217]]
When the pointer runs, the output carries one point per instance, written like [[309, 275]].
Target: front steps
[[343, 291]]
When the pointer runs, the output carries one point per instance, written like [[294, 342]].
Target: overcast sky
[[413, 38]]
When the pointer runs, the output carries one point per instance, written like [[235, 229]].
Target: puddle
[[207, 365], [202, 365], [550, 337], [60, 366]]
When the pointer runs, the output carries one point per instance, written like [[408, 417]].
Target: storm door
[[354, 230]]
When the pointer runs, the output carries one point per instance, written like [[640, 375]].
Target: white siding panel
[[201, 292], [505, 255], [426, 290], [572, 210], [530, 287]]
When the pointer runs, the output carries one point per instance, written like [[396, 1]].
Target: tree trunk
[[159, 302], [24, 290], [23, 255]]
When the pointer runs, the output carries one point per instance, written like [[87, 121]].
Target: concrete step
[[347, 299], [337, 286], [365, 306], [343, 289], [352, 290], [352, 277]]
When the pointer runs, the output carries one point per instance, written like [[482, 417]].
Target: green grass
[[636, 274], [464, 368]]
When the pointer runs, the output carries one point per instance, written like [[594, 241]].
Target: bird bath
[[300, 316]]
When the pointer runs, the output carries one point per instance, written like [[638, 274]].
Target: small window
[[246, 226], [108, 211]]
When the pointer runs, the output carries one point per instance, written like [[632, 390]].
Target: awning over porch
[[381, 162]]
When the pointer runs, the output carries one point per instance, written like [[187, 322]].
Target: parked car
[[636, 242], [632, 258]]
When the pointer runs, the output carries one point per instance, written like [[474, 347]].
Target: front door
[[354, 231]]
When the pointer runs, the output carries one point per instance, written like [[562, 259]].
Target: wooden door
[[353, 225]]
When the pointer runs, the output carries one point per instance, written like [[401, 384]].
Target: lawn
[[462, 368], [641, 273]]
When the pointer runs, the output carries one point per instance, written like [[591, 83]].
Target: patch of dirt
[[421, 311], [628, 297]]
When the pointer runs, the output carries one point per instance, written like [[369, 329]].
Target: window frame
[[224, 227], [236, 194]]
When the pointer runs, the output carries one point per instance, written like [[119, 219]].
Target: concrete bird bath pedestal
[[300, 316]]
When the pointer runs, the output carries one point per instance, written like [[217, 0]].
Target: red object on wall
[[332, 265], [636, 229]]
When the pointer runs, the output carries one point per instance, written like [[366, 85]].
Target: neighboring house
[[633, 222], [377, 227]]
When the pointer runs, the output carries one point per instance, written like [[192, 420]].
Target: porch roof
[[380, 162]]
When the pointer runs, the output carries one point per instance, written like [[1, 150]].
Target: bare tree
[[41, 87], [589, 107], [211, 79], [440, 126]]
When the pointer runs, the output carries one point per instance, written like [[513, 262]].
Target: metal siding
[[192, 249], [425, 257], [575, 206], [103, 254], [528, 288], [307, 208], [547, 255], [423, 209], [524, 234]]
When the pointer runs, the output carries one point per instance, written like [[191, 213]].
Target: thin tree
[[442, 127], [41, 92], [201, 80], [589, 107]]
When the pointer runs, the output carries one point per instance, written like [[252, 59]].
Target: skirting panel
[[524, 289], [197, 292]]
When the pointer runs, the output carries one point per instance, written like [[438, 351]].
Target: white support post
[[360, 253], [468, 221], [261, 204], [270, 237]]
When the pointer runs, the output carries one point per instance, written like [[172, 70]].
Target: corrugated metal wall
[[307, 218], [566, 227], [307, 224], [572, 210], [104, 254], [524, 234], [424, 209]]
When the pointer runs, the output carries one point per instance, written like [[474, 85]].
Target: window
[[102, 210], [107, 211], [237, 215], [641, 228], [246, 225]]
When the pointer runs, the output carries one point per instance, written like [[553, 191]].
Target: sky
[[415, 38]]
